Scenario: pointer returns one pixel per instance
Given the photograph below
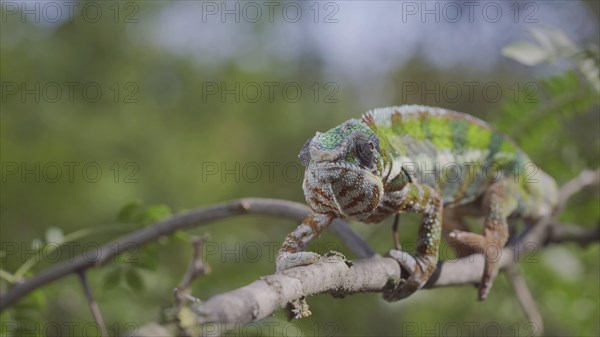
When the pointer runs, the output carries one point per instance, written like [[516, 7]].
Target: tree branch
[[330, 275], [201, 216], [339, 277], [333, 275]]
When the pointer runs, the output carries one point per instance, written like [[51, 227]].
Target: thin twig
[[525, 298], [197, 268], [92, 303], [573, 233], [584, 179]]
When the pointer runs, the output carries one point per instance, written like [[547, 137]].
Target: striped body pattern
[[458, 155], [435, 162]]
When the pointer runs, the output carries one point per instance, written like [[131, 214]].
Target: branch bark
[[339, 277]]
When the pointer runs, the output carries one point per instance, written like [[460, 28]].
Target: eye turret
[[366, 150], [304, 154]]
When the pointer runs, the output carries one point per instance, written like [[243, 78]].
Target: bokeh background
[[115, 114]]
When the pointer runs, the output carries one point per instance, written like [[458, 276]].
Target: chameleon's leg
[[292, 254], [499, 202], [426, 201], [397, 245]]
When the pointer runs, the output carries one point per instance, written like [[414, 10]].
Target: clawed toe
[[407, 261], [490, 270]]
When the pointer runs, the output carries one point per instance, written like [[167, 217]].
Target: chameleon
[[441, 164]]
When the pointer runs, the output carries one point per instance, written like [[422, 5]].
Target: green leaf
[[182, 236], [39, 298], [155, 213], [112, 278], [127, 213], [32, 307], [187, 318], [526, 53], [147, 257], [134, 280], [55, 235]]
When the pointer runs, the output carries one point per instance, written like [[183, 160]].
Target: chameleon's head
[[343, 170]]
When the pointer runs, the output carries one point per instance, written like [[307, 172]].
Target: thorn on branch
[[182, 296]]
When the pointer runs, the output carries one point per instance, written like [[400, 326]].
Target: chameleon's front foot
[[292, 254], [286, 260], [420, 270]]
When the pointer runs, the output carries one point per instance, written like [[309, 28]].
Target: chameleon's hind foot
[[419, 274], [467, 243], [290, 260]]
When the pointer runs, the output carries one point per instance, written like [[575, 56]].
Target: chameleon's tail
[[543, 191]]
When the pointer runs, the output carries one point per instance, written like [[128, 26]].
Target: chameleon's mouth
[[341, 187], [326, 165]]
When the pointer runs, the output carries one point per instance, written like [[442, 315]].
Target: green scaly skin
[[441, 164]]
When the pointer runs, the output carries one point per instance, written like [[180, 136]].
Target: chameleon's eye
[[375, 142], [304, 154], [365, 152]]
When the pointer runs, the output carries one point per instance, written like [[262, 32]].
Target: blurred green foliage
[[156, 138]]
